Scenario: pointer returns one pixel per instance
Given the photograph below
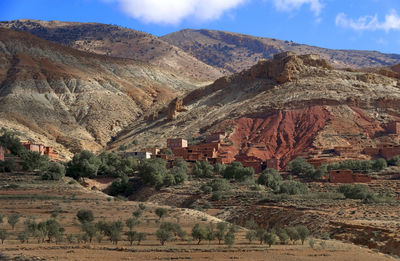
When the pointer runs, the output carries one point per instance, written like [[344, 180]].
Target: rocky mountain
[[280, 108], [235, 52], [71, 99], [117, 41]]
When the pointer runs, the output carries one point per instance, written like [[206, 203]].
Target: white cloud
[[174, 11], [391, 22], [289, 5]]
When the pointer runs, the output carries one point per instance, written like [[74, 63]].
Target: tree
[[260, 234], [13, 220], [229, 238], [163, 235], [203, 169], [121, 186], [251, 235], [210, 232], [131, 223], [131, 236], [85, 216], [219, 185], [3, 235], [395, 161], [301, 167], [89, 229], [137, 213], [10, 141], [54, 171], [269, 238], [293, 234], [221, 230], [161, 212], [236, 171], [23, 236], [180, 171], [34, 161], [169, 180], [139, 237], [53, 229], [83, 164], [9, 165], [153, 172], [271, 179], [199, 233], [283, 236], [1, 218], [303, 233], [115, 166], [174, 228]]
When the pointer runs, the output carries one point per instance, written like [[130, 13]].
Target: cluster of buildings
[[43, 150], [212, 149]]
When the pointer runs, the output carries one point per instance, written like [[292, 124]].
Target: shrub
[[283, 236], [83, 164], [356, 191], [301, 167], [121, 187], [55, 171], [271, 179], [131, 223], [10, 141], [236, 171], [85, 216], [365, 166], [9, 165], [219, 168], [395, 161], [89, 229], [293, 234], [203, 169], [293, 188], [180, 171], [219, 185], [217, 195], [379, 164], [161, 212], [260, 234], [229, 238]]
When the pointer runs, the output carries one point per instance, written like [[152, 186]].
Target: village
[[214, 150]]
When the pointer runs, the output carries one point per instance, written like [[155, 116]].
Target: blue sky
[[338, 24]]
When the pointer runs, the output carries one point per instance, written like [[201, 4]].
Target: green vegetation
[[293, 188], [83, 164], [161, 212], [271, 179], [395, 161], [361, 166], [302, 168], [13, 220], [237, 172], [85, 216], [203, 169], [199, 233], [54, 171], [121, 186], [112, 165]]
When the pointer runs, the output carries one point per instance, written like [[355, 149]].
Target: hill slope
[[282, 108], [236, 52], [59, 95], [117, 41]]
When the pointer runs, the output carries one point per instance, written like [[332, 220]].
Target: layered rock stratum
[[283, 107], [75, 100]]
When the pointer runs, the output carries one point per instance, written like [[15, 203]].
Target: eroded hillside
[[235, 52], [71, 99], [283, 107], [121, 42]]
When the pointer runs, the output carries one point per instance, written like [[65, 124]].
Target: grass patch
[[28, 197]]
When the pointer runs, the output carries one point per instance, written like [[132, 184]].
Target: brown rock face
[[281, 134], [74, 100], [174, 107]]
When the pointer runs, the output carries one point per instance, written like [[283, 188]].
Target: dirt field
[[35, 199]]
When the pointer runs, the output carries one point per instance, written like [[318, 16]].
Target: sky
[[337, 24]]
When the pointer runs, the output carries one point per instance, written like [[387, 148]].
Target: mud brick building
[[388, 151], [141, 155], [272, 163], [215, 137], [43, 150], [176, 143], [251, 162], [347, 176], [347, 151]]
